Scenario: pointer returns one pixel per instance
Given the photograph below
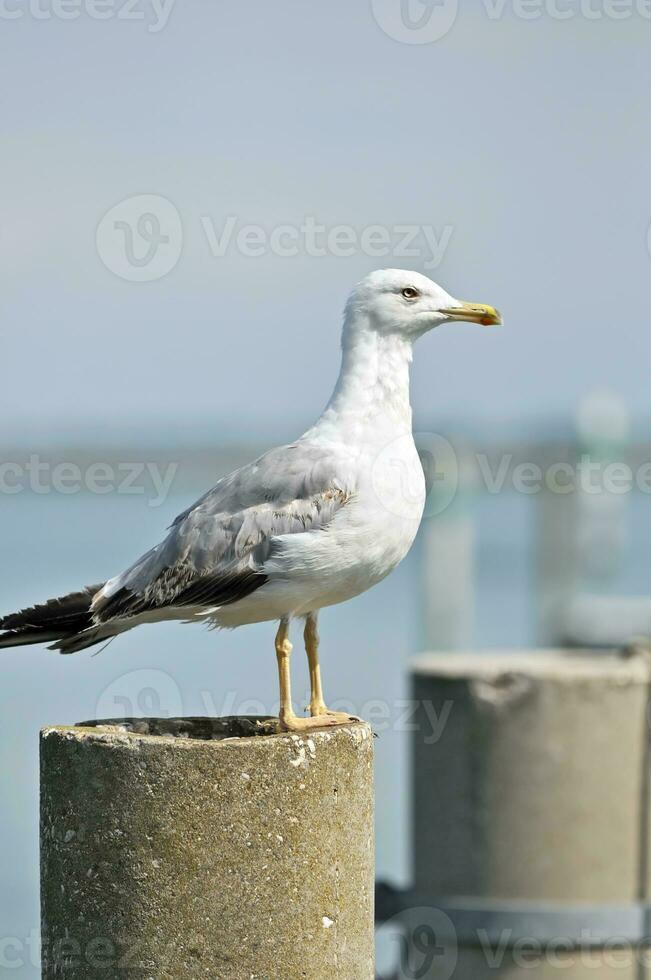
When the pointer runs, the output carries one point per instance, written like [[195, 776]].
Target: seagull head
[[408, 304]]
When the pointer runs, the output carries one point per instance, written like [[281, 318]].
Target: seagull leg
[[321, 717], [318, 707], [283, 653], [311, 638]]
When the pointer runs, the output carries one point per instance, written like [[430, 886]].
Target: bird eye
[[410, 293]]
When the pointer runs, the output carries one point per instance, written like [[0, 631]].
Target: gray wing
[[214, 552]]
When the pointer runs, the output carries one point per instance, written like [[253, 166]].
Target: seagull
[[305, 526]]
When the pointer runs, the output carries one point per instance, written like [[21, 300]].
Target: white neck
[[372, 391]]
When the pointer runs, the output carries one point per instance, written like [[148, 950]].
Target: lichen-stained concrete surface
[[238, 858]]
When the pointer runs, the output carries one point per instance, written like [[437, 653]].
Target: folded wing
[[215, 551]]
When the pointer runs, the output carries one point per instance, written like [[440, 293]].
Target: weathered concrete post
[[531, 813], [206, 848]]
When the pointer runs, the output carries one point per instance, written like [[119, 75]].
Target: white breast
[[365, 541]]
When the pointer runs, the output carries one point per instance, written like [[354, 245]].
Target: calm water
[[54, 543]]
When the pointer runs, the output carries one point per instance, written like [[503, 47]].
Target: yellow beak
[[488, 316]]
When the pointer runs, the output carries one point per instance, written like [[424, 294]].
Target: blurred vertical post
[[581, 521], [206, 847], [448, 547]]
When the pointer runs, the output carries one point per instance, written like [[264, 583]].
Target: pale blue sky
[[529, 139]]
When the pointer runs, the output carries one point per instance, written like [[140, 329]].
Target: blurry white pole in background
[[581, 533], [603, 428], [448, 554]]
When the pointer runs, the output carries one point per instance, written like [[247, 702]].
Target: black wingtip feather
[[50, 620]]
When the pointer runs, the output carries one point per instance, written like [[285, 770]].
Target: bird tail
[[60, 619]]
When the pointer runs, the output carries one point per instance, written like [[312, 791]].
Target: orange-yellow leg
[[320, 716], [318, 707]]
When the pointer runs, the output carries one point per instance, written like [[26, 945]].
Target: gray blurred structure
[[582, 536], [531, 818], [206, 847], [448, 545]]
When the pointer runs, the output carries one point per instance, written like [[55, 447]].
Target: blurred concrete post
[[533, 805], [206, 847]]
